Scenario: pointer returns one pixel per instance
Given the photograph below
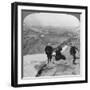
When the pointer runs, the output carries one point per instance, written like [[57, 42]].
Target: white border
[[82, 47]]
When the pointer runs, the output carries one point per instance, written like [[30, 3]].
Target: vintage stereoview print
[[49, 44]]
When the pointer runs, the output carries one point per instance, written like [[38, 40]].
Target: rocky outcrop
[[58, 69]]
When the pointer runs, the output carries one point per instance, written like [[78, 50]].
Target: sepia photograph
[[49, 44]]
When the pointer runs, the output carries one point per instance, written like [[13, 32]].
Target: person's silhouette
[[73, 51], [49, 51]]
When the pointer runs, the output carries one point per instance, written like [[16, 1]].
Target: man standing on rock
[[73, 50], [49, 51]]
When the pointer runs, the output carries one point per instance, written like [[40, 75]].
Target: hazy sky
[[63, 21], [51, 19], [27, 12]]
